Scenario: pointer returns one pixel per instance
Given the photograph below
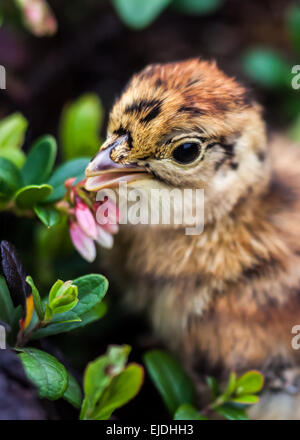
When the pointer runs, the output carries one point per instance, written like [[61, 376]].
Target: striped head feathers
[[185, 125]]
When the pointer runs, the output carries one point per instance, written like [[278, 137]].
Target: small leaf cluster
[[69, 305], [29, 184], [109, 383], [179, 395]]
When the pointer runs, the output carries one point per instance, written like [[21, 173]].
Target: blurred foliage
[[196, 7], [108, 382], [178, 393], [29, 182], [38, 17], [81, 124], [274, 71]]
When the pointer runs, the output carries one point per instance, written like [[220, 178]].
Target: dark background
[[94, 51]]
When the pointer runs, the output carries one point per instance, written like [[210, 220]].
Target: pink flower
[[85, 219], [70, 182], [84, 229], [38, 17], [107, 216], [82, 242]]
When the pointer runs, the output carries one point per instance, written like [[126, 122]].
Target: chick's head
[[185, 125]]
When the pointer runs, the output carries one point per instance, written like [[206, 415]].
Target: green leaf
[[80, 127], [73, 392], [293, 25], [48, 216], [72, 168], [17, 157], [99, 374], [231, 412], [91, 290], [231, 386], [30, 195], [38, 307], [7, 309], [54, 289], [121, 390], [138, 14], [188, 412], [10, 177], [246, 399], [267, 68], [197, 7], [44, 370], [40, 161], [171, 380], [12, 131], [251, 382]]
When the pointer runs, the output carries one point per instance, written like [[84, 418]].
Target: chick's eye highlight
[[186, 153]]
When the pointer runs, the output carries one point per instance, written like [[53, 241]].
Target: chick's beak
[[103, 172]]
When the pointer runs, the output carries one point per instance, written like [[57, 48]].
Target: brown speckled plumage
[[228, 298]]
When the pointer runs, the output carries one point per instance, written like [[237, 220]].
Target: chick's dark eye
[[186, 153]]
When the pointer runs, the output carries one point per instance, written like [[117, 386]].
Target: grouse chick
[[227, 299]]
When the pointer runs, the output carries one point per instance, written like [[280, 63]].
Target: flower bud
[[63, 297]]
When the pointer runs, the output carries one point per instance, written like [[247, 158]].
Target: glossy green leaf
[[31, 195], [246, 399], [12, 131], [38, 307], [72, 168], [138, 14], [99, 375], [267, 68], [91, 290], [17, 157], [10, 178], [80, 127], [249, 383], [197, 7], [188, 412], [231, 385], [231, 412], [49, 216], [171, 380], [73, 392], [120, 391], [46, 372], [40, 161]]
